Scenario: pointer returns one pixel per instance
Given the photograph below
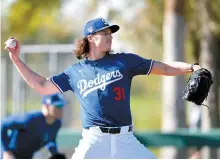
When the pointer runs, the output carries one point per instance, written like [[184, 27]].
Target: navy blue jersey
[[103, 87], [24, 135]]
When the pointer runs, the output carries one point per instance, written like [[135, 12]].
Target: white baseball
[[11, 43]]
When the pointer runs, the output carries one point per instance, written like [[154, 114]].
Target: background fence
[[18, 98]]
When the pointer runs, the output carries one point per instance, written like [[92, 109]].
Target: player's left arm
[[172, 68], [52, 147]]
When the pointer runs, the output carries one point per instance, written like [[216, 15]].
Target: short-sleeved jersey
[[103, 87]]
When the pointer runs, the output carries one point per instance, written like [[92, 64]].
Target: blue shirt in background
[[26, 134]]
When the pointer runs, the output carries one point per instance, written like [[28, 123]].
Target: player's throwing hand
[[13, 46]]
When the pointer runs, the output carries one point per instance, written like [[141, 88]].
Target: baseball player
[[101, 81], [22, 136]]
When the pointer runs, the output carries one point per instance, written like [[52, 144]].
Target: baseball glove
[[57, 156], [198, 86]]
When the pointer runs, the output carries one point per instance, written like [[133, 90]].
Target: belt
[[113, 130]]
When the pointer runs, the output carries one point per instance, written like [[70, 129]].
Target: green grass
[[146, 113]]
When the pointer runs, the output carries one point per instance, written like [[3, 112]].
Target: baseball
[[11, 43]]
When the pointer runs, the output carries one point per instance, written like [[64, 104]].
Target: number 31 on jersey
[[119, 93]]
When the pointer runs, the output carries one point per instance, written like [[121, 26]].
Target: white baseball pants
[[97, 145]]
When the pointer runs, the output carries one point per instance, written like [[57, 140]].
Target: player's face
[[103, 40], [55, 112]]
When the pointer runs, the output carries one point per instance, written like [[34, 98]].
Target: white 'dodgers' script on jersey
[[99, 82]]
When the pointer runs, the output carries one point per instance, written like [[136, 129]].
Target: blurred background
[[166, 30]]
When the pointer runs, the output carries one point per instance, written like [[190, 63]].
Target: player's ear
[[90, 38]]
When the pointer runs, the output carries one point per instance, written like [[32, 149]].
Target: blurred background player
[[23, 135]]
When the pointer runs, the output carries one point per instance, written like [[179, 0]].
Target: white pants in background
[[97, 145]]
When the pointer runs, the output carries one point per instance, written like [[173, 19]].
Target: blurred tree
[[35, 22], [193, 18], [144, 26], [203, 20], [174, 116]]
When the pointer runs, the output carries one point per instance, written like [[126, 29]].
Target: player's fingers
[[10, 49], [6, 47], [8, 39], [17, 44]]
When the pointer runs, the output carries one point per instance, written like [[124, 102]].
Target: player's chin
[[59, 116], [108, 48]]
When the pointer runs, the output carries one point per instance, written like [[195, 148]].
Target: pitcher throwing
[[101, 81]]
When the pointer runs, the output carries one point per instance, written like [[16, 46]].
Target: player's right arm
[[33, 79]]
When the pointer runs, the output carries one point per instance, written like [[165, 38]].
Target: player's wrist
[[195, 67], [15, 59]]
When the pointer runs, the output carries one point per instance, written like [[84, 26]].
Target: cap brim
[[114, 28], [61, 103]]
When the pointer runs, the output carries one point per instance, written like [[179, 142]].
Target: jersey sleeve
[[62, 81], [137, 65]]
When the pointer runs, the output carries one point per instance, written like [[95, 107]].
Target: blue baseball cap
[[98, 24], [56, 100]]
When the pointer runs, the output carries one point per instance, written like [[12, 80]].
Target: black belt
[[115, 130]]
